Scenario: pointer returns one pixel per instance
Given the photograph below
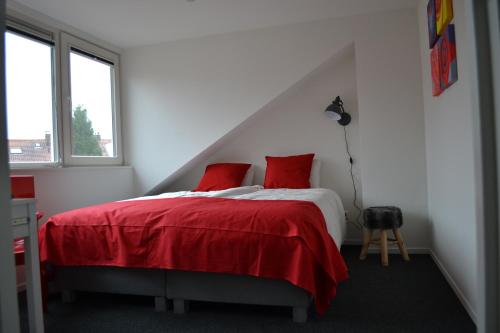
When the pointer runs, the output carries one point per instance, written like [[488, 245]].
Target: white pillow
[[248, 180], [314, 178]]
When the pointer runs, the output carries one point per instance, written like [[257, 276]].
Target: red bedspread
[[282, 239]]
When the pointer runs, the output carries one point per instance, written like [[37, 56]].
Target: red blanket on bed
[[282, 239]]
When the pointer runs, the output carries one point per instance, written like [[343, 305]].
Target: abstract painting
[[444, 14], [431, 23], [442, 44], [436, 71], [448, 57]]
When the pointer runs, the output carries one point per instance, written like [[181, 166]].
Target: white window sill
[[56, 168]]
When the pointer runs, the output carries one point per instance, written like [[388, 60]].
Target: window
[[91, 106], [30, 92], [62, 99], [90, 77]]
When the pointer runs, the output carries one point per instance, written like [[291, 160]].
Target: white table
[[25, 225]]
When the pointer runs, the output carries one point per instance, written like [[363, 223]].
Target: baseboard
[[454, 286], [391, 249], [395, 250], [421, 250], [352, 242]]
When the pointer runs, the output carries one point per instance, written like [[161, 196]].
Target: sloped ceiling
[[132, 23], [187, 176], [182, 97]]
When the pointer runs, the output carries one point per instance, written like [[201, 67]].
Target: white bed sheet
[[327, 201]]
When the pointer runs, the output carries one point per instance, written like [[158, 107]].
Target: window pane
[[30, 107], [92, 107]]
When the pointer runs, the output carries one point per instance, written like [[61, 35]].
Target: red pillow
[[222, 176], [288, 172]]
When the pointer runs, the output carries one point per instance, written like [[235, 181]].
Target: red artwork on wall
[[448, 57], [442, 42], [435, 71]]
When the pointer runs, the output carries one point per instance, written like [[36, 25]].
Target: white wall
[[391, 122], [61, 189], [450, 163], [182, 97], [294, 124]]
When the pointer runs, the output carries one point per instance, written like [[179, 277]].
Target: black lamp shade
[[345, 119], [336, 111]]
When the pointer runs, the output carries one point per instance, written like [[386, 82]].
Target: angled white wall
[[182, 97], [295, 123], [450, 163]]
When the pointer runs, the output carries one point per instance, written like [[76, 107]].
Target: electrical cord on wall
[[355, 200]]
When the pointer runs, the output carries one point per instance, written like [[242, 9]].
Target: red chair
[[23, 187]]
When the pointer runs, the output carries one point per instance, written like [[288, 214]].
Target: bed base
[[115, 280], [183, 286]]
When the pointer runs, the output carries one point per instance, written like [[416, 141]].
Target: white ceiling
[[130, 23]]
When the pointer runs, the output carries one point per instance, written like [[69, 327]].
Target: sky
[[29, 89]]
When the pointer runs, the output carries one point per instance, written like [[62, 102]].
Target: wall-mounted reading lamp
[[336, 111]]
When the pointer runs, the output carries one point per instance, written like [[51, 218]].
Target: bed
[[271, 247]]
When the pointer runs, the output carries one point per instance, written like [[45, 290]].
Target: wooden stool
[[383, 218]]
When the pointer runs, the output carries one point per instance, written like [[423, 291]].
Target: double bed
[[241, 245]]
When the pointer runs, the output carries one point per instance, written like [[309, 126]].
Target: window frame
[[67, 42], [44, 32], [62, 113]]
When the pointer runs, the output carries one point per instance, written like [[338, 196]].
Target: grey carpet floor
[[404, 297]]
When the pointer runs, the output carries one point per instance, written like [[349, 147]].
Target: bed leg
[[160, 304], [181, 306], [68, 296], [300, 314]]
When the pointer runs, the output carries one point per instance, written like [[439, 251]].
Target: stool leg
[[383, 248], [401, 244], [367, 237]]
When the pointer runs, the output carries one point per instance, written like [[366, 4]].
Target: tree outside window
[[85, 141]]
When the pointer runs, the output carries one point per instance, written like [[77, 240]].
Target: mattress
[[328, 201]]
